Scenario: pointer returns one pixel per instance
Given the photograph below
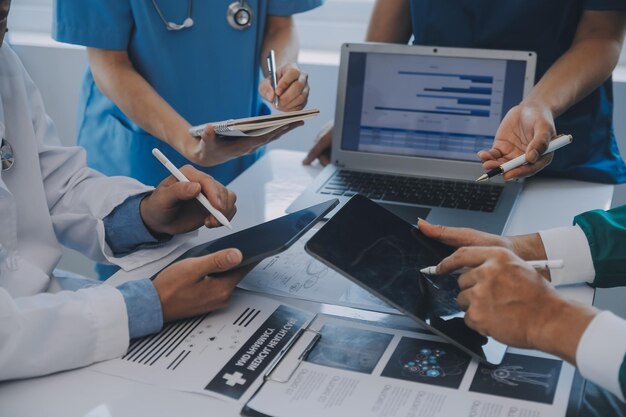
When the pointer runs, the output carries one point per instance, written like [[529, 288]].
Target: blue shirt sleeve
[[605, 4], [143, 306], [289, 7], [93, 23], [125, 231]]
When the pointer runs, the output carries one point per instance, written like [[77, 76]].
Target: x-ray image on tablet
[[384, 254]]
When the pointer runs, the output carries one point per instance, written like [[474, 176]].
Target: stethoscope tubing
[[238, 15]]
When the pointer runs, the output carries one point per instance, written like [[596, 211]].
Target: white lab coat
[[49, 198]]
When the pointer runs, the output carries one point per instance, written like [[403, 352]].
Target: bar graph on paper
[[169, 348], [431, 105], [189, 354]]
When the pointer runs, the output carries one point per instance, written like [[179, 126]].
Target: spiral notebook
[[255, 126]]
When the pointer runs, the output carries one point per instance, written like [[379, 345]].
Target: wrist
[[529, 247], [143, 307], [540, 105], [559, 329], [151, 225], [178, 134]]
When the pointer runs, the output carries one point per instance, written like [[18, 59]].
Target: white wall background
[[57, 70]]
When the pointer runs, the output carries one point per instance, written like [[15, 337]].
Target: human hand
[[508, 300], [292, 88], [188, 288], [172, 208], [526, 129], [211, 149], [322, 146], [528, 247]]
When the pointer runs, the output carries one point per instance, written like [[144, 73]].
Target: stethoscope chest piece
[[239, 15], [6, 155]]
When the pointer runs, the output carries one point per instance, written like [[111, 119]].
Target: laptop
[[409, 122]]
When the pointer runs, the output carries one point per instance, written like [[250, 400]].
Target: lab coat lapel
[[27, 237]]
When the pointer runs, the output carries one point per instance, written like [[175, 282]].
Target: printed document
[[356, 369], [221, 354]]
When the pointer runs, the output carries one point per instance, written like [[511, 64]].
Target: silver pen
[[271, 69]]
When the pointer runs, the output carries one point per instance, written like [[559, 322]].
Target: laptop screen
[[427, 106]]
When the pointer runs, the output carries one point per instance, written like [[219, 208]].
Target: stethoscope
[[6, 155], [238, 16]]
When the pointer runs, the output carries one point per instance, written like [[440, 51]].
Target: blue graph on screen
[[434, 106], [472, 95]]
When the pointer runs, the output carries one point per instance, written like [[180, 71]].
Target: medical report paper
[[356, 369], [221, 354]]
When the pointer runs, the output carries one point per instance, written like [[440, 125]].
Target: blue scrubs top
[[548, 28], [207, 72]]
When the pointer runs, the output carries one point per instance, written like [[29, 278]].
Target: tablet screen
[[384, 254]]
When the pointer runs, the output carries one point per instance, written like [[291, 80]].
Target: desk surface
[[264, 192]]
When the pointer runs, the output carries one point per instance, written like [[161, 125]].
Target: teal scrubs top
[[546, 27], [208, 72]]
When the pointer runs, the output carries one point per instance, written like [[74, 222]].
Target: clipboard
[[255, 126], [304, 342]]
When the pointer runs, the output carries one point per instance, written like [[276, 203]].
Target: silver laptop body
[[409, 121]]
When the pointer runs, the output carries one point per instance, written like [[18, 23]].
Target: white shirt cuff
[[601, 351], [569, 244]]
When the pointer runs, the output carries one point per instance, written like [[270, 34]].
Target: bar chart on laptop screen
[[431, 106]]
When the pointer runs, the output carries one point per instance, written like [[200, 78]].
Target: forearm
[[390, 22], [585, 66], [528, 247], [116, 77], [281, 36], [565, 84]]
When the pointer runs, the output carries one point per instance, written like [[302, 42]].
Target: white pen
[[555, 144], [539, 264], [200, 197]]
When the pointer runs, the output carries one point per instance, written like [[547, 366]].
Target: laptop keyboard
[[411, 190]]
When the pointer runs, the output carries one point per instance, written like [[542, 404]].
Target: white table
[[264, 192]]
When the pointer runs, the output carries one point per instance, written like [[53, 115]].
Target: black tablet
[[266, 239], [384, 254]]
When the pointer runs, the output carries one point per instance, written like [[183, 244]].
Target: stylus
[[540, 264], [555, 144], [181, 177]]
